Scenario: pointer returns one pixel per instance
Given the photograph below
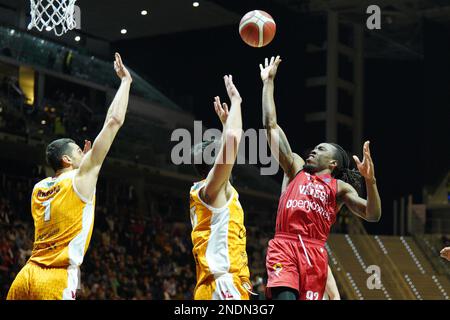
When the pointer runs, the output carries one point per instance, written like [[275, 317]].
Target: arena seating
[[353, 254]]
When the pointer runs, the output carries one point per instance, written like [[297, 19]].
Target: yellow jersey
[[63, 221], [218, 238]]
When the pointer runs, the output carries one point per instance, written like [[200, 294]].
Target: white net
[[56, 15]]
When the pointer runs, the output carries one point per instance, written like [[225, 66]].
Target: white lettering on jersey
[[308, 206]]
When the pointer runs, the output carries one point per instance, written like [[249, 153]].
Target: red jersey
[[308, 206]]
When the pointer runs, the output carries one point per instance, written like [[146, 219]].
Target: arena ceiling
[[106, 18], [400, 36]]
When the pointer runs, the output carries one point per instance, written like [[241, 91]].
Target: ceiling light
[[48, 28], [123, 31], [144, 12], [195, 4], [77, 38]]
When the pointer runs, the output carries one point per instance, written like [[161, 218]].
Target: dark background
[[406, 102]]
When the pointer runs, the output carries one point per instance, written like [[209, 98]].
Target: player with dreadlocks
[[315, 189]]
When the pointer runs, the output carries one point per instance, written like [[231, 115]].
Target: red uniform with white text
[[296, 257]]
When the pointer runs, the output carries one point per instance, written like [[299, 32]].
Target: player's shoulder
[[231, 191], [197, 185], [342, 184], [297, 164], [42, 183], [344, 187], [298, 158], [51, 181]]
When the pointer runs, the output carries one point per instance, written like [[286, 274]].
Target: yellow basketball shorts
[[35, 282], [224, 287]]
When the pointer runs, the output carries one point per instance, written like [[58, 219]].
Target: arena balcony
[[39, 52]]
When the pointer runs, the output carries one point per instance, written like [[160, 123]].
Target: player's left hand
[[87, 146], [120, 69], [445, 253], [366, 167]]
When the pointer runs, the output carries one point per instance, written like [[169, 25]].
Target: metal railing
[[31, 50], [430, 245]]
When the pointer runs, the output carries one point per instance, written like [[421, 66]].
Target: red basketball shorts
[[299, 263]]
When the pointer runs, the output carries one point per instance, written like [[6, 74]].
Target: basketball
[[257, 28]]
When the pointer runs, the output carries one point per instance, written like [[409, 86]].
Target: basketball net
[[56, 15]]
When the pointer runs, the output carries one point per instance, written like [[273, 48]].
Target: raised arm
[[86, 177], [278, 142], [370, 209], [286, 179], [216, 191]]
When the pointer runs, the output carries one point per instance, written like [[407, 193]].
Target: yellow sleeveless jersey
[[63, 222], [218, 237]]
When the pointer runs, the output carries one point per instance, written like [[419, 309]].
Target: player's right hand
[[120, 69], [269, 70], [445, 253], [232, 91]]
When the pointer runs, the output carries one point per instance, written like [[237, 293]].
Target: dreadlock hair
[[343, 171]]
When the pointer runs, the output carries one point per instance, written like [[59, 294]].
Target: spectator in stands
[[4, 212], [146, 258]]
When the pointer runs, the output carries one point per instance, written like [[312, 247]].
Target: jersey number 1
[[47, 204]]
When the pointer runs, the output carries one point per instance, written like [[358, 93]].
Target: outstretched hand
[[269, 70], [232, 91], [120, 69], [366, 167], [222, 109]]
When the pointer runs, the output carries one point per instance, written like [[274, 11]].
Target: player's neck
[[61, 171], [322, 172]]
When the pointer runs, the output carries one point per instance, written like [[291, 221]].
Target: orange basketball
[[257, 28]]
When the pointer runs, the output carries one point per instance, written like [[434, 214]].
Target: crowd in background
[[61, 114], [131, 255], [134, 254]]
